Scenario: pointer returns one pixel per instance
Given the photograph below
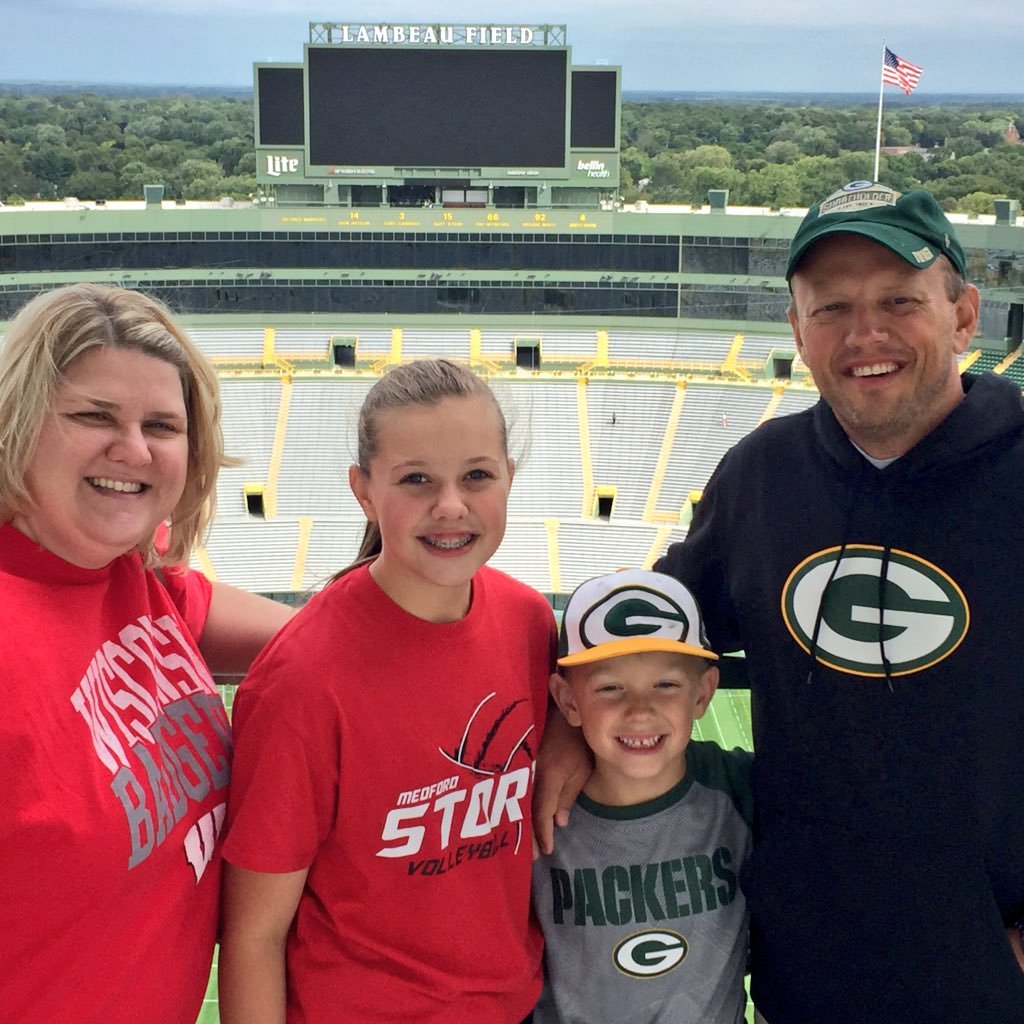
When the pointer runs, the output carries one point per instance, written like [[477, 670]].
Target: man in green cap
[[880, 311], [866, 556]]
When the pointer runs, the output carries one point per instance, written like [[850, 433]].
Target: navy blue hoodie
[[882, 615]]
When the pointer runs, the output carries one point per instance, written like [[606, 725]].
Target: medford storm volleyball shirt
[[393, 757]]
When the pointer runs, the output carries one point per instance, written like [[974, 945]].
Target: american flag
[[897, 71]]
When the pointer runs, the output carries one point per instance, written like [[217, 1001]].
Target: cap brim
[[903, 243], [633, 645]]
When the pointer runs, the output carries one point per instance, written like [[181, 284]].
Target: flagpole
[[878, 130]]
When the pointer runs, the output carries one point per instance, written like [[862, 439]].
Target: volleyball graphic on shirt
[[496, 737]]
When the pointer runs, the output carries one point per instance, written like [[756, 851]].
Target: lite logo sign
[[278, 165]]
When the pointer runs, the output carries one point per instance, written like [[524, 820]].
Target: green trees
[[765, 153], [104, 147], [777, 155]]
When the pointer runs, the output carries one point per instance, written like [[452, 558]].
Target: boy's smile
[[637, 713]]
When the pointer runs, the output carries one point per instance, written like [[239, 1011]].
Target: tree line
[[786, 155], [778, 155], [101, 147]]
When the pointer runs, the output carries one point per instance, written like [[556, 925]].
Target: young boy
[[640, 903]]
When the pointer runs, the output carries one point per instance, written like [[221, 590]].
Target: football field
[[209, 1014], [727, 720]]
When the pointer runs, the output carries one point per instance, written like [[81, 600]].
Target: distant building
[[903, 150]]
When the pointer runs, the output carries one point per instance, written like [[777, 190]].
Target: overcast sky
[[683, 45]]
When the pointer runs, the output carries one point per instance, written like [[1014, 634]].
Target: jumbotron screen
[[377, 107], [594, 121], [281, 119]]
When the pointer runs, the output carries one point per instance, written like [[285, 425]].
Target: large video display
[[280, 106], [594, 121], [429, 108]]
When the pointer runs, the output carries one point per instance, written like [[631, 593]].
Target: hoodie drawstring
[[883, 577], [855, 494]]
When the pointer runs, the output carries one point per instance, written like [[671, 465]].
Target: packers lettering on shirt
[[637, 893]]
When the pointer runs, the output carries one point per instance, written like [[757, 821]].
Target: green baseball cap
[[630, 612], [910, 224]]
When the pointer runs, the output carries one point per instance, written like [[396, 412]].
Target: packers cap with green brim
[[630, 612], [910, 224]]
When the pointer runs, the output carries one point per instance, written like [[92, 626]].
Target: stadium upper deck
[[707, 267]]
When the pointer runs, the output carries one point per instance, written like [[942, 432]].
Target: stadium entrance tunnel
[[343, 352], [528, 353], [780, 364], [254, 500], [604, 503]]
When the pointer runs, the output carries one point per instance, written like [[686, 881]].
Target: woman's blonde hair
[[423, 382], [47, 334]]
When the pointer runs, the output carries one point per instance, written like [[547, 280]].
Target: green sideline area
[[727, 721], [209, 1013]]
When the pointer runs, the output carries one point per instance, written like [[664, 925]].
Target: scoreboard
[[437, 108], [396, 105]]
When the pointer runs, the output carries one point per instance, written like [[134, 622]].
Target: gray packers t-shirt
[[643, 917]]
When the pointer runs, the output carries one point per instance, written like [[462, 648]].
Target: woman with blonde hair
[[114, 744]]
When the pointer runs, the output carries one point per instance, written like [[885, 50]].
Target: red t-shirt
[[114, 760], [393, 757]]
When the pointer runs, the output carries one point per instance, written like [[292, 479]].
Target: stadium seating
[[608, 453]]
